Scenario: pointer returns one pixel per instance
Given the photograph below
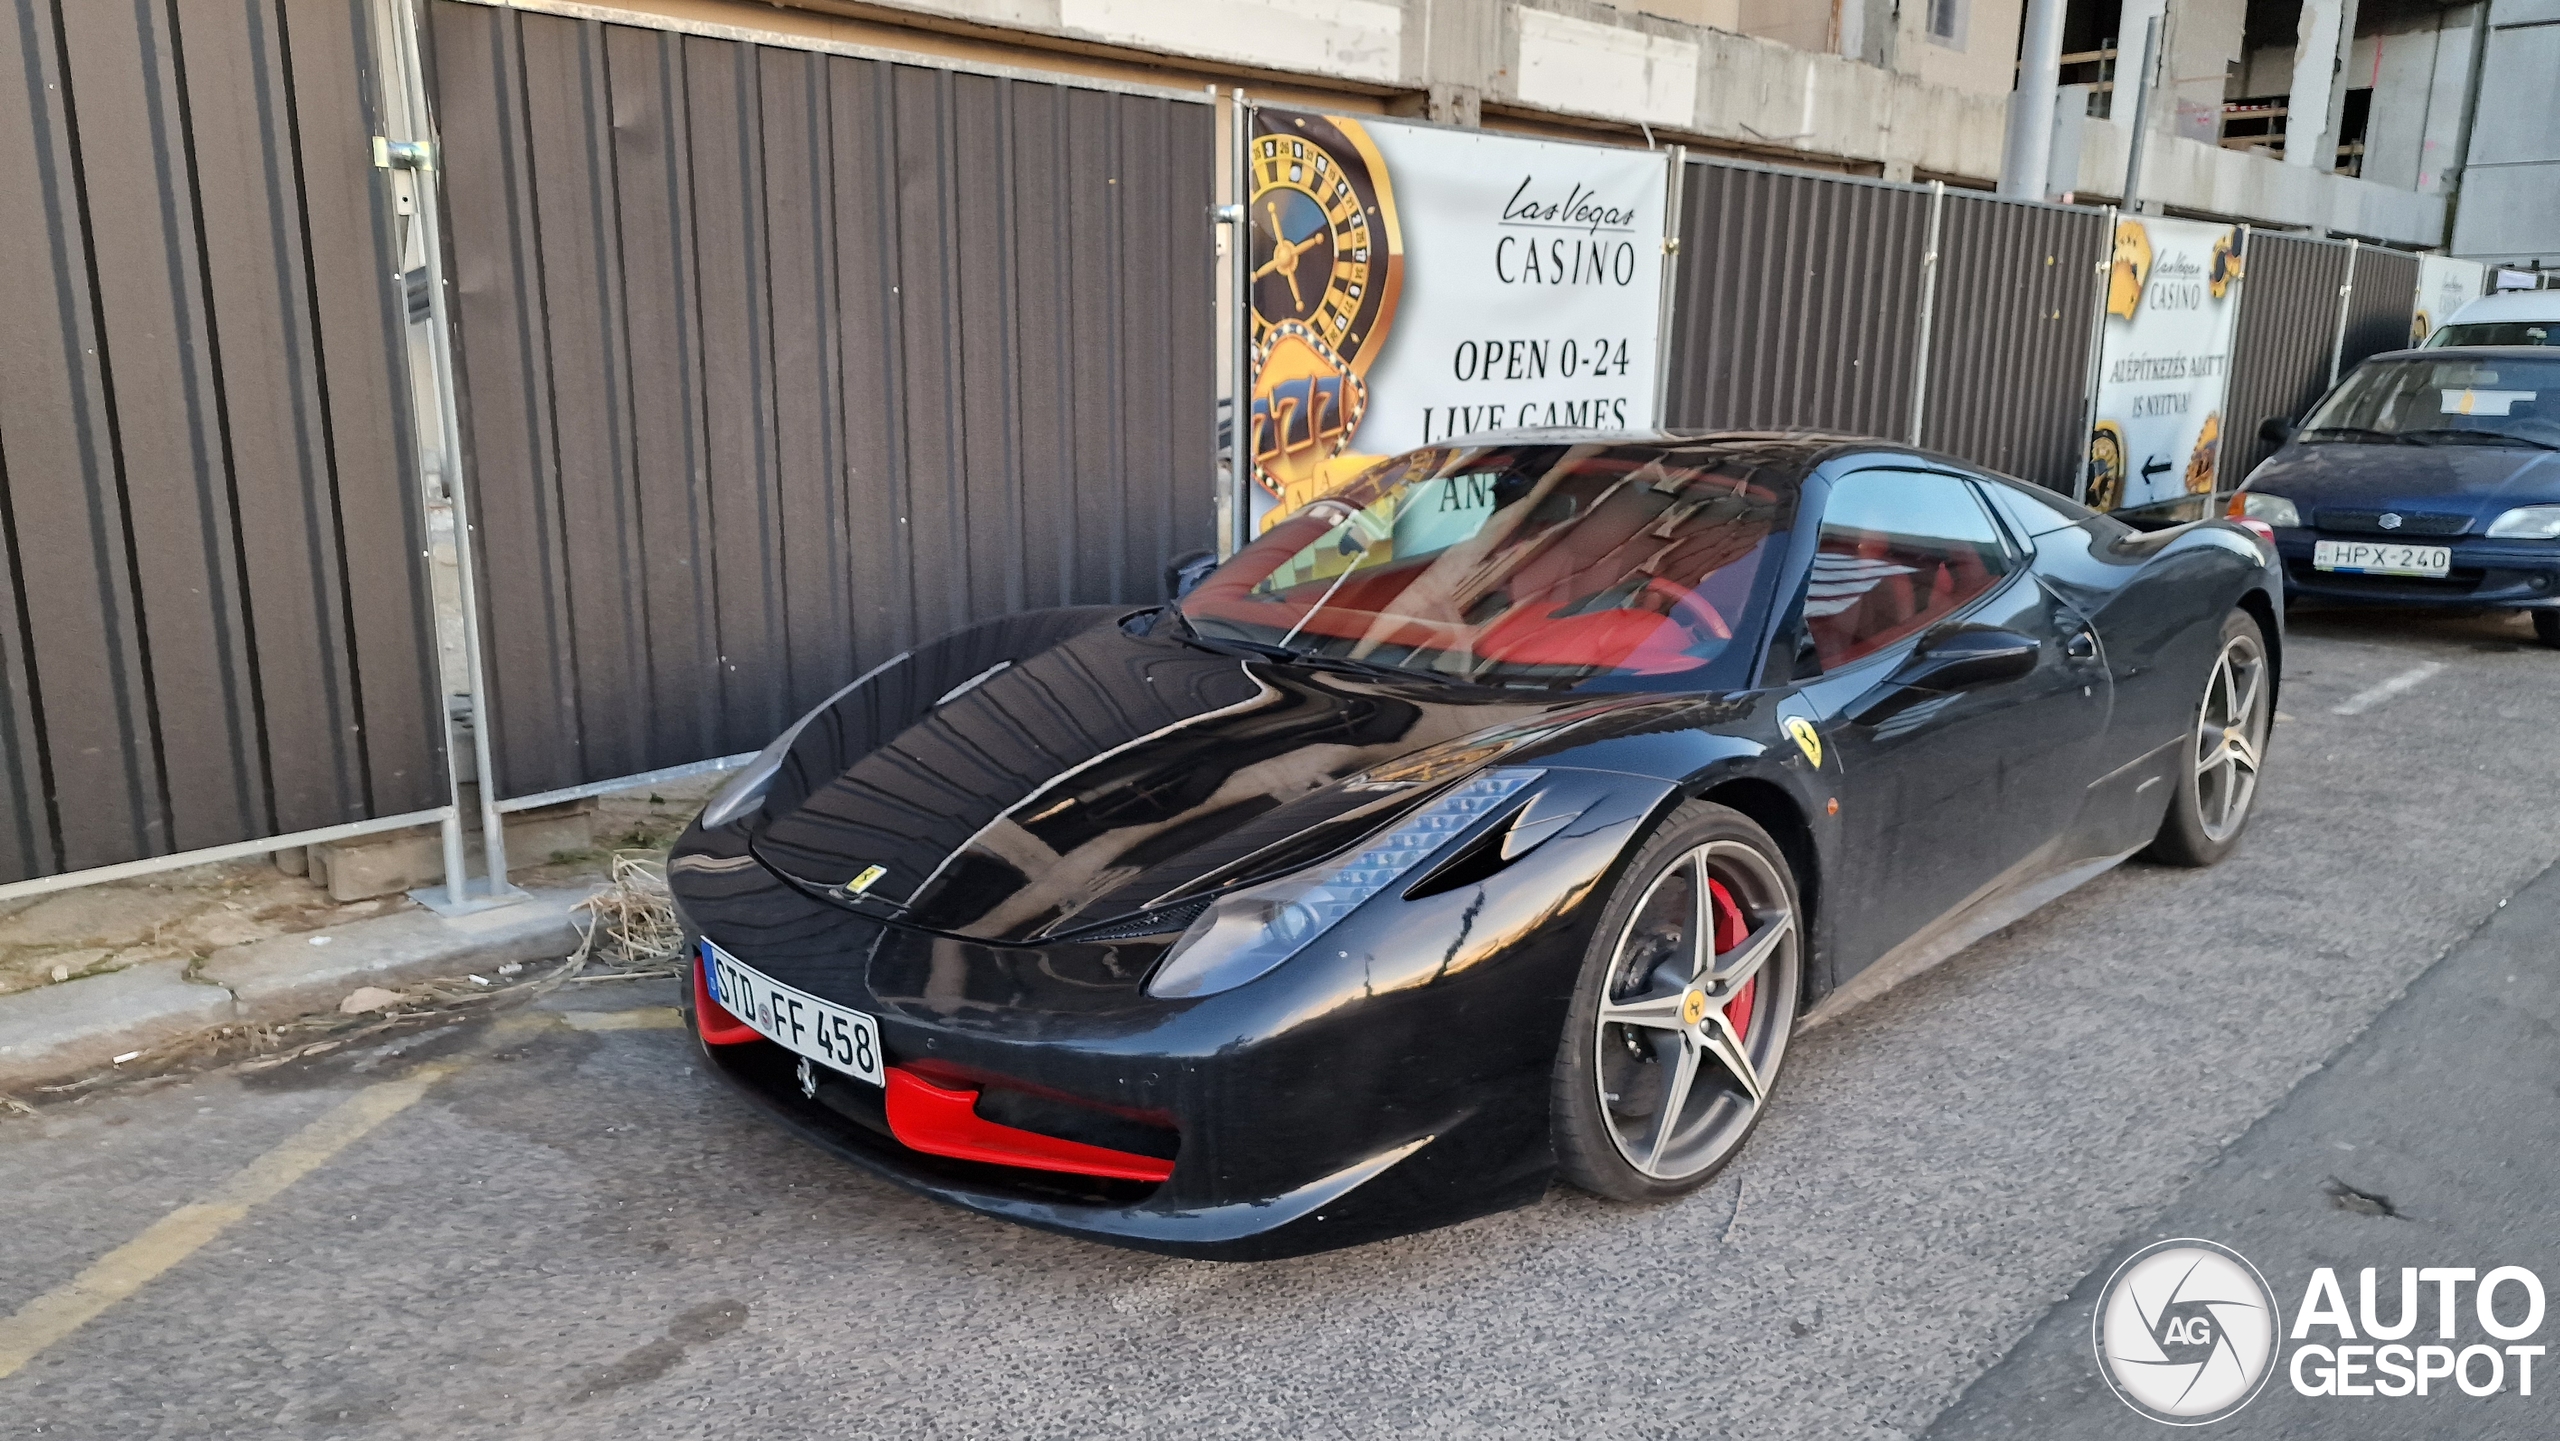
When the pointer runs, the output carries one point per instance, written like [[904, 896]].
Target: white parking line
[[2374, 695]]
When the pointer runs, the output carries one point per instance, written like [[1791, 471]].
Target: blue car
[[2427, 477]]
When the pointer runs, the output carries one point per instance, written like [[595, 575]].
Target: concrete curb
[[55, 1032]]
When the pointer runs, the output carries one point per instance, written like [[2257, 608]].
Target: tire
[[2546, 627], [2218, 785], [1643, 1013]]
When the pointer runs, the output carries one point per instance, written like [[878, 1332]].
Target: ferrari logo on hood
[[870, 877]]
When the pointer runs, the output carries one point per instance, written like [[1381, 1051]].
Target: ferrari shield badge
[[870, 877], [1807, 739]]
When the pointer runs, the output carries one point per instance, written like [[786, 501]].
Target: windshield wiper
[[1292, 655], [2387, 437], [2480, 437]]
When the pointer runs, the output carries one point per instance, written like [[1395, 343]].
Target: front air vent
[[1162, 922], [2369, 522]]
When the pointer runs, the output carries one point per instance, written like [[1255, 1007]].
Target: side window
[[2031, 511], [1900, 550]]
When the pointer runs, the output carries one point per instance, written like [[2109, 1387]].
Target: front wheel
[[1682, 1013], [2218, 776], [2546, 627]]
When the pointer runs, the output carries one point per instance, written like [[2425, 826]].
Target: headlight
[[1252, 930], [2275, 510], [2528, 522]]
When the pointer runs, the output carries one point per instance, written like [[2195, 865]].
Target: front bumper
[[1386, 1081], [2518, 574]]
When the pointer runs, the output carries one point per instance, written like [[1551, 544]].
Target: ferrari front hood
[[1114, 774]]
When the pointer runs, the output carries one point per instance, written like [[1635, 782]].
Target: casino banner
[[2445, 285], [2173, 297], [1411, 284]]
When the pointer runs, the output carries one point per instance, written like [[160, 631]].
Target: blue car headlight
[[1248, 932]]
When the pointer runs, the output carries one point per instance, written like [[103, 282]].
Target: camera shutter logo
[[2186, 1332]]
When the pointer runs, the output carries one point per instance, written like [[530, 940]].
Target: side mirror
[[1952, 660], [1183, 575], [2275, 430]]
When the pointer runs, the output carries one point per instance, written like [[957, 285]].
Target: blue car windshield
[[1606, 566], [2456, 400]]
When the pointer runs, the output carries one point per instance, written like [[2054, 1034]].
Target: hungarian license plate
[[2365, 557], [823, 1031]]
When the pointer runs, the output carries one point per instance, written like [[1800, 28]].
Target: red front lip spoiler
[[944, 1120]]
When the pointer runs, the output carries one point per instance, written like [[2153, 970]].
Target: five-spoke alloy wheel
[[2219, 779], [1682, 1017]]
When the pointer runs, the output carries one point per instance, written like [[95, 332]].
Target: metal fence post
[[2346, 299], [2097, 351], [1240, 266], [1668, 312], [411, 147], [1928, 309]]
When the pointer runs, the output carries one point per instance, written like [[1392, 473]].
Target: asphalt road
[[529, 1229]]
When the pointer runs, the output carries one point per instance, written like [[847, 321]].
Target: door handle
[[2083, 646]]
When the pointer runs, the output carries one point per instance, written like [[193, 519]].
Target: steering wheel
[[1689, 608]]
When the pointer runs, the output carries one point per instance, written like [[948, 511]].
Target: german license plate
[[823, 1031], [2365, 557]]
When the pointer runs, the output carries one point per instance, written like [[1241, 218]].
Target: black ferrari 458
[[1498, 818]]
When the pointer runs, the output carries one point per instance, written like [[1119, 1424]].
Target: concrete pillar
[[2204, 47], [2027, 154], [1867, 30], [2321, 39], [1453, 49]]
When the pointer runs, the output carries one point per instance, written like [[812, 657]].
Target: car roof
[[2509, 305], [2458, 352]]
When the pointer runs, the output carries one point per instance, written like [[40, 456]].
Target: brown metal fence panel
[[2281, 350], [213, 624], [2381, 303], [2009, 344], [1798, 301], [776, 362]]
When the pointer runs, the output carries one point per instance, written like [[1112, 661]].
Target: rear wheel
[[1681, 1017], [2546, 627], [2218, 781]]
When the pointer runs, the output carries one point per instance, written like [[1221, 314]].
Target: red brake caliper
[[1730, 929]]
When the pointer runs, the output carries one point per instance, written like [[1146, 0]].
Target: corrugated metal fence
[[1798, 300], [2284, 341], [213, 624], [775, 357], [780, 361], [2380, 290], [2009, 355]]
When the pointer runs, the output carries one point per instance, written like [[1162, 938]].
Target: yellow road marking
[[638, 1018], [176, 1236]]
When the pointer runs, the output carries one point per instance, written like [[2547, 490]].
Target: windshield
[[1546, 565], [2495, 332], [2460, 400]]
